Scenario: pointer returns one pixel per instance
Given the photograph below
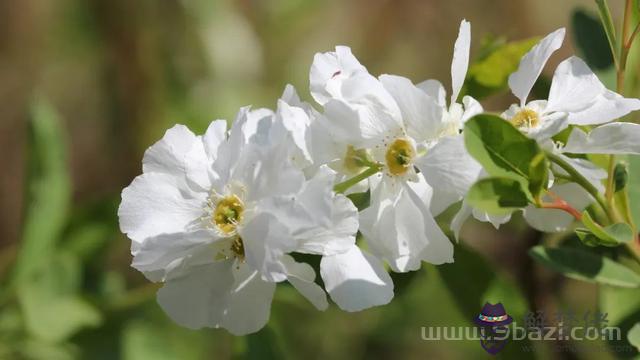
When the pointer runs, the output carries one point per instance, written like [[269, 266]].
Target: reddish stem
[[560, 204]]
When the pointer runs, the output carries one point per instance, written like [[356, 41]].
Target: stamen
[[228, 213], [400, 156], [525, 118]]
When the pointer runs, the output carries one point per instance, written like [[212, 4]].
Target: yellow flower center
[[354, 160], [228, 213], [525, 118], [400, 156]]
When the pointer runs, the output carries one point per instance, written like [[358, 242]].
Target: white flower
[[214, 217], [576, 96]]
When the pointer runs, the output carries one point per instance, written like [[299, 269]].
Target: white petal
[[265, 171], [215, 135], [460, 218], [495, 220], [167, 155], [471, 108], [613, 138], [302, 277], [460, 62], [434, 89], [334, 217], [265, 240], [553, 220], [378, 112], [157, 203], [550, 125], [401, 230], [356, 280], [249, 302], [199, 298], [420, 113], [574, 86], [521, 82], [606, 107], [160, 253], [449, 168], [329, 70]]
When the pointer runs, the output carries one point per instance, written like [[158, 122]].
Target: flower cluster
[[220, 218]]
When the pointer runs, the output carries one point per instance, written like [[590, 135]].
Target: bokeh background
[[87, 85]]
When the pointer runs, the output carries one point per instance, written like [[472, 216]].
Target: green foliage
[[505, 152], [497, 195], [489, 75], [48, 190], [50, 301], [361, 200], [586, 266], [591, 39], [611, 235]]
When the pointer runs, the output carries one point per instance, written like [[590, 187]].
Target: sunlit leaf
[[490, 74], [504, 151], [582, 265], [499, 196]]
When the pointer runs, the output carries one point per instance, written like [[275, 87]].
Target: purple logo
[[493, 321]]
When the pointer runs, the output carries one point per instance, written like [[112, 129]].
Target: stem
[[582, 181], [607, 23], [564, 206], [343, 186]]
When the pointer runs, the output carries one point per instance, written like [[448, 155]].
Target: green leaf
[[489, 75], [504, 151], [582, 265], [634, 336], [49, 298], [499, 196], [612, 235], [591, 39], [48, 190]]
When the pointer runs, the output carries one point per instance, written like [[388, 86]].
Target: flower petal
[[401, 230], [574, 86], [199, 298], [168, 155], [434, 89], [249, 302], [606, 107], [266, 239], [302, 277], [420, 113], [449, 168], [329, 70], [471, 108], [356, 280], [521, 82], [157, 203], [613, 138], [460, 62], [162, 253], [334, 217]]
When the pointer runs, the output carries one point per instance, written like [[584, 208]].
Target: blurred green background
[[87, 85]]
